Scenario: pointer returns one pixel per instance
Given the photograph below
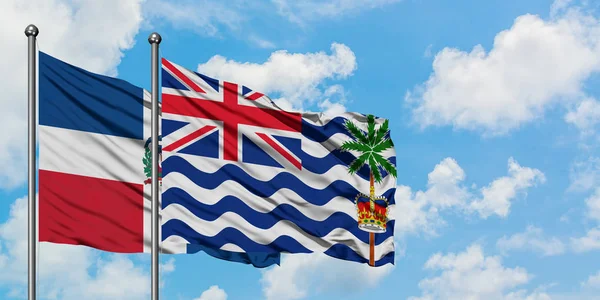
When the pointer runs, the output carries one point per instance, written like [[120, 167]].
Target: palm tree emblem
[[372, 211], [370, 146]]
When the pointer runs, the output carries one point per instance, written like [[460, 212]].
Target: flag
[[92, 133], [242, 175], [94, 162]]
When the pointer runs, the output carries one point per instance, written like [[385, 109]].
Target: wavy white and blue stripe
[[251, 208]]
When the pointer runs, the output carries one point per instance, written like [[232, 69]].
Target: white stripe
[[174, 245], [320, 150], [232, 248], [267, 236], [310, 147], [264, 204], [266, 173], [91, 154]]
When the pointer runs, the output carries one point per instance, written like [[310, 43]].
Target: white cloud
[[532, 239], [65, 271], [332, 102], [593, 282], [301, 11], [414, 214], [586, 116], [472, 275], [593, 205], [209, 18], [589, 242], [201, 16], [332, 109], [212, 18], [428, 50], [559, 6], [532, 66], [419, 211], [585, 179], [335, 98], [444, 189], [585, 174], [167, 267], [524, 295], [261, 43], [73, 31], [497, 196], [118, 278], [298, 78], [303, 275], [164, 269], [213, 293]]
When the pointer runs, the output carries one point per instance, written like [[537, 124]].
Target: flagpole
[[31, 32], [154, 39]]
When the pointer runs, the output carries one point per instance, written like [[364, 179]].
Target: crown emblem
[[147, 160], [372, 213]]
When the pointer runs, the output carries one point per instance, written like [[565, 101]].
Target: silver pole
[[154, 40], [31, 32]]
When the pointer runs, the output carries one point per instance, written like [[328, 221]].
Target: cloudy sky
[[494, 112]]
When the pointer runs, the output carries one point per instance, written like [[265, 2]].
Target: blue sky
[[493, 113]]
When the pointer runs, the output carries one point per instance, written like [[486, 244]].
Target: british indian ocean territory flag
[[241, 174]]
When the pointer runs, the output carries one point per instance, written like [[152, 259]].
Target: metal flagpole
[[31, 32], [154, 40]]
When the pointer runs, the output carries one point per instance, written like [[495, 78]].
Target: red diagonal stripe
[[281, 151], [189, 137], [254, 96], [180, 75]]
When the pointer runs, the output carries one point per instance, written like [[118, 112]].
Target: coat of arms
[[147, 160], [371, 210]]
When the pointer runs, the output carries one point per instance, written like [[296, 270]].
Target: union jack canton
[[201, 113]]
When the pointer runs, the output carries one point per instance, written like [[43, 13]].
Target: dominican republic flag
[[94, 163]]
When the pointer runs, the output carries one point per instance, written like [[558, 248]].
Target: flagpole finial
[[154, 38], [32, 30]]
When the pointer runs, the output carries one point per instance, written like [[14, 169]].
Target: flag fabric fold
[[242, 175]]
